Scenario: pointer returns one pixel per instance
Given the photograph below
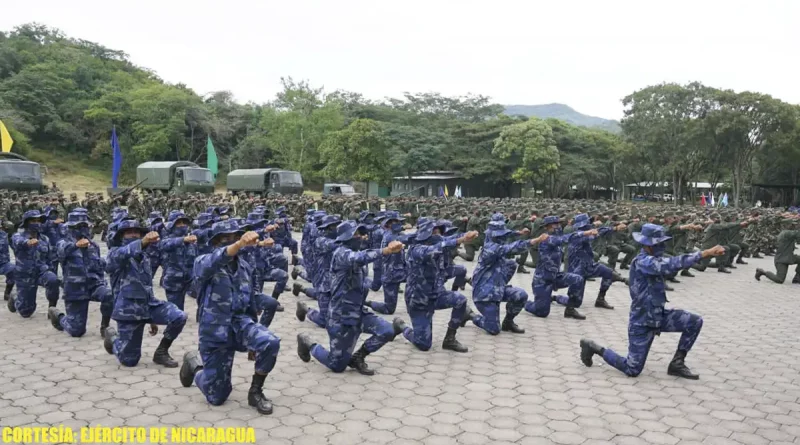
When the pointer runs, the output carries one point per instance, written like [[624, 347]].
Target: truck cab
[[19, 173], [264, 181], [338, 189]]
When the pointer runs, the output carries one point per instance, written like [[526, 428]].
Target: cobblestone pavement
[[523, 389]]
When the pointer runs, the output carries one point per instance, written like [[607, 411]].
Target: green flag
[[211, 159]]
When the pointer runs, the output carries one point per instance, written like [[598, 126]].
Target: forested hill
[[565, 113]]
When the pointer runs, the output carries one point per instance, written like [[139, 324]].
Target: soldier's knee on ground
[[130, 360]]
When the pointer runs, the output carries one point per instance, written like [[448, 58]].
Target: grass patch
[[72, 173]]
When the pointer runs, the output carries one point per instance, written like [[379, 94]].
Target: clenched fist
[[249, 239], [525, 231], [540, 238], [271, 228], [269, 242], [33, 241], [714, 251], [394, 247], [190, 239], [471, 235], [150, 238], [84, 243]]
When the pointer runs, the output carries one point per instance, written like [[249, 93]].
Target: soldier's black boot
[[616, 277], [301, 311], [674, 280], [796, 280], [601, 301], [588, 349], [162, 357], [739, 260], [722, 269], [509, 326], [191, 366], [469, 280], [571, 312], [10, 304], [104, 322], [668, 287], [624, 266], [109, 339], [678, 368], [256, 397], [686, 273], [521, 269], [759, 273], [757, 255], [55, 318], [357, 362], [399, 326], [7, 292], [304, 345], [591, 279], [280, 307], [451, 343], [297, 288], [295, 260]]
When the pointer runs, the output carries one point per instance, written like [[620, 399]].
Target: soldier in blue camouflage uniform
[[6, 265], [52, 227], [117, 216], [178, 251], [456, 272], [348, 316], [155, 223], [648, 316], [202, 230], [426, 293], [83, 277], [548, 276], [307, 249], [32, 268], [375, 242], [227, 310], [394, 266], [581, 262], [283, 235], [134, 302], [324, 246], [490, 280], [262, 259]]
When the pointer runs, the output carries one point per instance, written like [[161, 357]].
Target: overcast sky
[[587, 54]]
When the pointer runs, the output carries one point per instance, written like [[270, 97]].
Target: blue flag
[[117, 157]]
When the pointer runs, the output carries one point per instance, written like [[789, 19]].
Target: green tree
[[359, 152], [533, 143]]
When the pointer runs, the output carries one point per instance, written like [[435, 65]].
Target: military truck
[[265, 180], [338, 189], [175, 177], [19, 173]]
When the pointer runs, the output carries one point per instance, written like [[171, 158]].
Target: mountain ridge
[[565, 113]]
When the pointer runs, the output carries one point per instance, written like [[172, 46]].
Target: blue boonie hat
[[154, 217], [498, 217], [203, 219], [551, 220], [128, 224], [30, 214], [254, 218], [76, 218], [425, 230], [174, 217], [422, 220], [581, 220], [327, 221], [280, 211], [48, 210], [651, 235], [497, 229], [346, 230], [393, 215], [226, 227]]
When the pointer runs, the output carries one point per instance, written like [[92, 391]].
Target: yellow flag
[[446, 192], [5, 139]]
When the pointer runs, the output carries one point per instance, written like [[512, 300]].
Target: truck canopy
[[159, 175]]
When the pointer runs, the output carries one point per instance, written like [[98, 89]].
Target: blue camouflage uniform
[[32, 267], [6, 265], [117, 216], [580, 257], [348, 316], [178, 259], [54, 232], [155, 223], [283, 234], [425, 292], [375, 242], [202, 230], [83, 275], [227, 312], [324, 246], [490, 280], [548, 276], [648, 316], [394, 266], [456, 272], [134, 302]]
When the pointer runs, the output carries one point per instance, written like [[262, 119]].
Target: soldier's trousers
[[77, 311], [128, 345], [459, 275], [290, 243], [613, 251], [469, 252], [389, 304], [279, 262], [7, 269], [734, 250], [274, 275], [155, 263], [522, 258], [320, 316], [489, 320], [640, 338], [269, 306], [377, 274], [421, 332], [745, 250], [214, 380], [720, 262], [177, 295], [543, 291], [27, 286], [343, 339], [782, 270], [602, 271]]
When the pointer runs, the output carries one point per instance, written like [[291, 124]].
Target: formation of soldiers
[[222, 249]]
